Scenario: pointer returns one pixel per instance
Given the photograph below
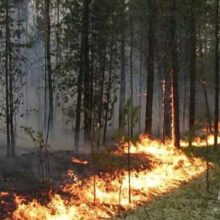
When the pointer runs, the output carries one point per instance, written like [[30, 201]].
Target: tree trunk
[[11, 103], [164, 111], [140, 79], [150, 70], [58, 32], [192, 72], [86, 73], [168, 109], [83, 76], [131, 74], [49, 68], [102, 80], [109, 85], [174, 76], [7, 51], [108, 94], [78, 109], [184, 101], [204, 80], [58, 54], [216, 75], [122, 78]]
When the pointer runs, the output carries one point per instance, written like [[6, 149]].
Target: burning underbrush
[[156, 169]]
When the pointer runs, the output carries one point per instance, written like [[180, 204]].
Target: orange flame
[[3, 194], [201, 142], [78, 161], [171, 168]]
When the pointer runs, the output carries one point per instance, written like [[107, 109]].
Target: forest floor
[[191, 201], [20, 175]]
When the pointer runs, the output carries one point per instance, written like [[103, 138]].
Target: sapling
[[95, 145], [42, 150], [207, 158], [131, 118]]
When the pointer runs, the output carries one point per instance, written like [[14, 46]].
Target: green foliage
[[198, 129], [41, 147], [104, 26], [11, 52], [119, 136], [131, 114], [38, 138], [96, 136]]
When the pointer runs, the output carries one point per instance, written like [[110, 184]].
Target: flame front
[[170, 168], [77, 161]]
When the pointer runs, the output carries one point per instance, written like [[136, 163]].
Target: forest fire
[[3, 194], [106, 195], [77, 74], [199, 142], [78, 161]]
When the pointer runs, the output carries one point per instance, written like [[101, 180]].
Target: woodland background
[[68, 67]]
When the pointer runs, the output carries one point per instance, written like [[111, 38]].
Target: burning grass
[[167, 168], [78, 161], [190, 201]]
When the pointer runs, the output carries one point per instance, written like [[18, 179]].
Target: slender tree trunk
[[94, 174], [140, 79], [167, 102], [159, 98], [49, 68], [204, 82], [108, 95], [174, 76], [185, 82], [129, 173], [129, 161], [86, 73], [207, 162], [192, 71], [208, 112], [11, 103], [21, 76], [164, 110], [101, 84], [184, 101], [131, 74], [58, 54], [45, 94], [78, 109], [7, 51], [107, 103], [49, 81], [216, 75], [58, 32], [82, 76], [150, 70], [26, 66], [102, 89], [92, 76], [122, 78]]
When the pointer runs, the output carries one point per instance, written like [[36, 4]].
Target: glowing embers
[[170, 167], [3, 194], [78, 161]]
